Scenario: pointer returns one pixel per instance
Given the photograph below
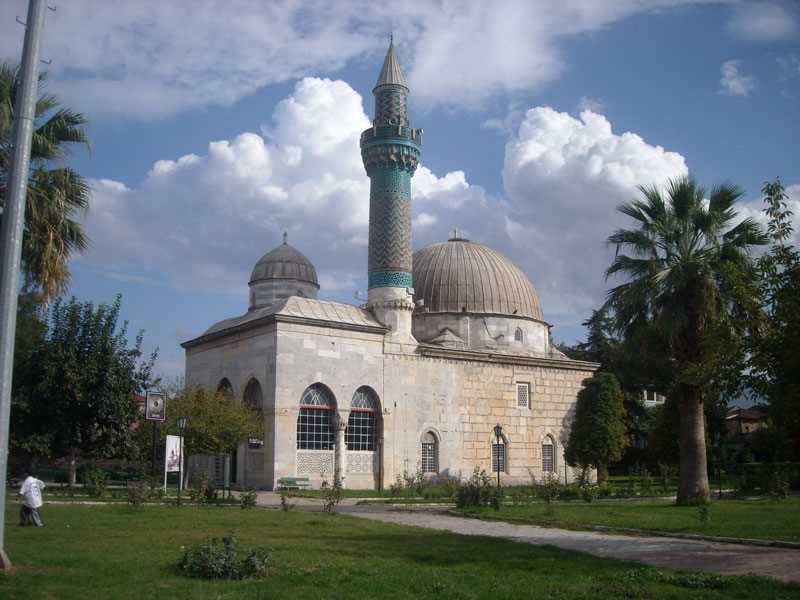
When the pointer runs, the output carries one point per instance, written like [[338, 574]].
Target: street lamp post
[[498, 431], [181, 428]]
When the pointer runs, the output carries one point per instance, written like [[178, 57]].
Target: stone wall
[[240, 357], [457, 397]]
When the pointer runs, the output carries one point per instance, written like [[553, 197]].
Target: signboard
[[172, 457], [155, 407]]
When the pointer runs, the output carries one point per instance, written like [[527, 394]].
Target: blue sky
[[539, 119]]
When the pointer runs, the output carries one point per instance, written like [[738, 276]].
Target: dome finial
[[285, 235]]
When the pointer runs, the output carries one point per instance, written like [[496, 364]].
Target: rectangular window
[[523, 395], [498, 458], [360, 432], [429, 459], [314, 430], [548, 465]]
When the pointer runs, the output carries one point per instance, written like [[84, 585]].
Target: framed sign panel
[[155, 407]]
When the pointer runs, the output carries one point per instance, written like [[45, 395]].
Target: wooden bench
[[293, 483]]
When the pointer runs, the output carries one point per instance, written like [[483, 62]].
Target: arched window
[[225, 388], [362, 424], [499, 455], [548, 455], [254, 399], [314, 431], [429, 453], [518, 337]]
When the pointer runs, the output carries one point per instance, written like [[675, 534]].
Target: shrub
[[286, 506], [138, 493], [96, 483], [476, 491], [247, 499], [218, 558], [396, 488], [590, 492], [331, 495], [704, 515], [549, 489]]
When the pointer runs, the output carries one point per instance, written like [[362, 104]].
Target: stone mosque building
[[451, 342]]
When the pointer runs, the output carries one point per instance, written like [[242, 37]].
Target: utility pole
[[11, 234]]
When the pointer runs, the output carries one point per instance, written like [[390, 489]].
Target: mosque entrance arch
[[253, 450]]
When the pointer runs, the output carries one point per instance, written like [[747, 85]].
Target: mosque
[[451, 343]]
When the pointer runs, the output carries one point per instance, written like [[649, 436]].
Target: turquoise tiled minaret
[[390, 150]]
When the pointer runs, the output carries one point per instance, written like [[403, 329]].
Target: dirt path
[[727, 559]]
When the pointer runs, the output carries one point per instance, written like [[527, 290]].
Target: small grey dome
[[284, 262], [459, 276]]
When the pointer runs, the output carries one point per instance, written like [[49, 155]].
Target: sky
[[217, 125]]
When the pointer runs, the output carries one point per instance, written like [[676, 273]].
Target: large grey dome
[[460, 276], [284, 262]]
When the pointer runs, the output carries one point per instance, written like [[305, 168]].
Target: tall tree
[[598, 432], [78, 401], [775, 361], [690, 276], [56, 195]]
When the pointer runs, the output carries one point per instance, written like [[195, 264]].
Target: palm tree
[[691, 278], [56, 194]]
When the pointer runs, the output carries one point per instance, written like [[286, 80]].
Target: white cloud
[[202, 221], [564, 178], [764, 21], [152, 58], [593, 104], [734, 83]]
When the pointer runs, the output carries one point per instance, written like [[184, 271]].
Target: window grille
[[498, 457], [360, 433], [548, 457], [518, 337], [429, 457], [523, 395], [314, 431], [362, 424]]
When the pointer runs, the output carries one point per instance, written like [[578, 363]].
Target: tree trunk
[[693, 485], [602, 473], [72, 466]]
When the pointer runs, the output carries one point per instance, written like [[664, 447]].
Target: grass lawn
[[116, 552], [758, 519]]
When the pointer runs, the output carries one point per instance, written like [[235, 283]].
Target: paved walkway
[[726, 559]]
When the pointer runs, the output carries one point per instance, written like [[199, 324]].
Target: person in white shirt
[[32, 491]]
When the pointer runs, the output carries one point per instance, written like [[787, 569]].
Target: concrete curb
[[646, 532]]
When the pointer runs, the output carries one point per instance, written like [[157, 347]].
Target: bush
[[247, 499], [476, 491], [218, 558], [549, 489], [286, 506], [96, 483], [589, 492], [331, 495], [138, 493]]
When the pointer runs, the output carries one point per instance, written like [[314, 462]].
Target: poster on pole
[[172, 457], [155, 407]]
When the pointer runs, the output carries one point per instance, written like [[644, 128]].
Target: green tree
[[78, 400], [56, 195], [216, 423], [691, 278], [775, 361], [598, 433]]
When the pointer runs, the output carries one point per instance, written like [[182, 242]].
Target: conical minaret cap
[[391, 73]]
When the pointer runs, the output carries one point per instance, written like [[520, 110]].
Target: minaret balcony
[[382, 134]]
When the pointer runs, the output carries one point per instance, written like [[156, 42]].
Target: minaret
[[390, 150]]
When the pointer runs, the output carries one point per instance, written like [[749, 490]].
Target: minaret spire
[[390, 150]]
